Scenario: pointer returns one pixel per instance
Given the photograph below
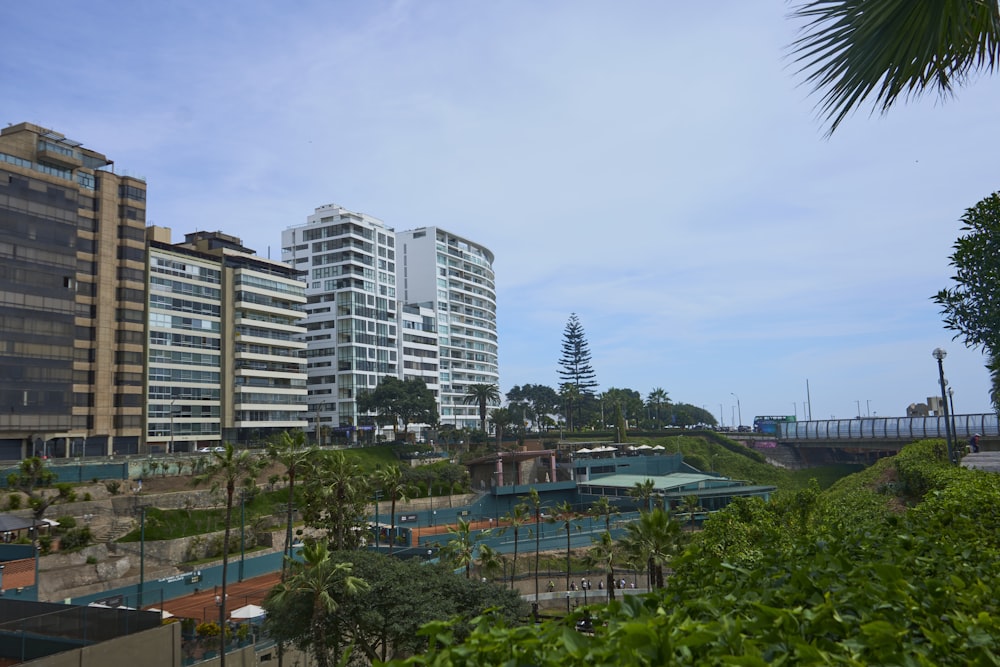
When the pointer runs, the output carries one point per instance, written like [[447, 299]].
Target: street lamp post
[[940, 354], [739, 410]]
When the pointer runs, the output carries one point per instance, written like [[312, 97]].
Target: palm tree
[[514, 519], [564, 514], [289, 449], [501, 418], [461, 548], [227, 469], [603, 554], [536, 509], [656, 536], [656, 398], [390, 479], [603, 507], [643, 492], [319, 581], [482, 395], [491, 561], [853, 49], [690, 505]]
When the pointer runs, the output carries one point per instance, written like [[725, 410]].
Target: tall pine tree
[[574, 364]]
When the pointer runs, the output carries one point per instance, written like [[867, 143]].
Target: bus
[[769, 424]]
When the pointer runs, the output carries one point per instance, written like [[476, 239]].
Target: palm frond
[[851, 50]]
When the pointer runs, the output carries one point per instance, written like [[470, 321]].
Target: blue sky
[[655, 167]]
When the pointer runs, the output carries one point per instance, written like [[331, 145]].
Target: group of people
[[585, 585]]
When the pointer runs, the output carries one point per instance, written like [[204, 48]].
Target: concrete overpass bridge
[[865, 439]]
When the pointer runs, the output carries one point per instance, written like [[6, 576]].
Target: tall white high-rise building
[[454, 276], [351, 315]]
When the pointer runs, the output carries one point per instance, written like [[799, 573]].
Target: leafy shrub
[[13, 501], [75, 539], [113, 486], [209, 629]]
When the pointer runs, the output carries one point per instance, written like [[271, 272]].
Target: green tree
[[403, 402], [621, 426], [629, 400], [690, 506], [460, 549], [335, 496], [482, 395], [602, 507], [539, 400], [514, 520], [392, 483], [574, 361], [228, 469], [289, 449], [563, 514], [656, 399], [501, 419], [33, 478], [643, 493], [604, 554], [657, 537], [317, 584], [971, 308], [405, 595], [491, 561], [851, 50]]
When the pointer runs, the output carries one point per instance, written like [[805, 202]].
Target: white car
[[209, 450]]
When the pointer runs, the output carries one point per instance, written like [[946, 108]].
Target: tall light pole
[[739, 410], [940, 354]]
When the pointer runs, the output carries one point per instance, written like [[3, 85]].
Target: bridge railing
[[890, 428]]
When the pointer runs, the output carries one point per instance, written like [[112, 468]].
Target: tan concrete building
[[72, 299]]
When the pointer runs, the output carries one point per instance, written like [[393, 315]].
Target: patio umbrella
[[247, 612]]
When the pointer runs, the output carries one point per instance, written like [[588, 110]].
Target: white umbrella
[[164, 614], [583, 450], [249, 611]]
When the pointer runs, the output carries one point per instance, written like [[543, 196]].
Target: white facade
[[268, 369], [351, 315], [455, 277], [418, 345]]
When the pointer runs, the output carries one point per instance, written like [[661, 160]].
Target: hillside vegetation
[[895, 565]]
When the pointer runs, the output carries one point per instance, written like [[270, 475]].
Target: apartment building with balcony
[[72, 299], [453, 276], [262, 372], [352, 331]]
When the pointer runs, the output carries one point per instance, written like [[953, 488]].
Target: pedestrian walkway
[[989, 461]]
